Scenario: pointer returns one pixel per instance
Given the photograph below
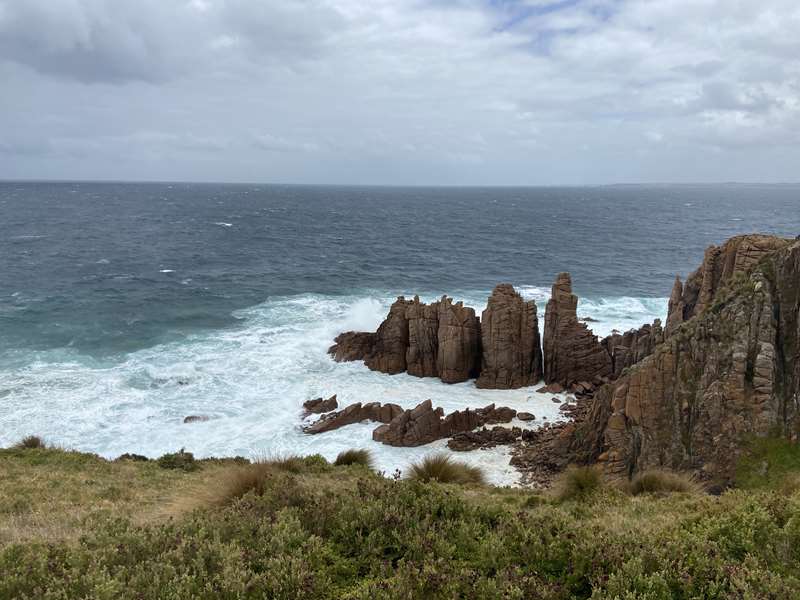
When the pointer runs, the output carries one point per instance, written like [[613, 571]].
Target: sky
[[398, 92]]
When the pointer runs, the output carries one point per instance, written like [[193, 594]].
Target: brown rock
[[318, 405], [737, 256], [729, 372], [571, 351], [484, 438], [633, 346], [459, 339], [511, 356], [355, 413], [352, 345], [424, 424], [389, 351], [526, 416]]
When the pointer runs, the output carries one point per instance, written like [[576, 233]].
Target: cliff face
[[728, 370], [512, 356], [572, 353]]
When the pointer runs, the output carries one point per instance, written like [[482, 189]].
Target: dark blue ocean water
[[126, 307], [108, 267]]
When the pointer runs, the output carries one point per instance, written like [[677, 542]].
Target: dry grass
[[354, 457], [577, 483], [657, 481], [441, 468]]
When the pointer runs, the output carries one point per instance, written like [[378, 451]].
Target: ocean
[[125, 307]]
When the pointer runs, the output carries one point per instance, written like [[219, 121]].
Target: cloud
[[394, 91]]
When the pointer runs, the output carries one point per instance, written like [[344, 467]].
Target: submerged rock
[[318, 405]]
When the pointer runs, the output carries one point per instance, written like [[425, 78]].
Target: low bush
[[656, 481], [441, 468], [30, 442], [577, 483], [180, 460], [354, 457]]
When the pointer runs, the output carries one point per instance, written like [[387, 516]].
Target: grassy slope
[[75, 526]]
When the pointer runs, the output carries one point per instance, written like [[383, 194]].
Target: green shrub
[[354, 457], [767, 462], [577, 483], [181, 460], [30, 442], [441, 468], [657, 481]]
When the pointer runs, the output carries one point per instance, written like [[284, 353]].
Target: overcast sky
[[401, 91]]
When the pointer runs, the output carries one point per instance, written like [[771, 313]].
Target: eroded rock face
[[572, 353], [355, 413], [729, 372], [423, 424], [352, 345], [721, 264], [459, 337], [389, 351], [635, 345], [511, 352]]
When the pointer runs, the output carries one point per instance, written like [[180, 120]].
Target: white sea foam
[[223, 224], [167, 271], [251, 381]]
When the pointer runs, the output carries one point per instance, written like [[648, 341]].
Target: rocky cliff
[[572, 353], [511, 350], [729, 368]]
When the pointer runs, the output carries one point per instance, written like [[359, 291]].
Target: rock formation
[[511, 352], [423, 424], [629, 348], [721, 264], [319, 405], [729, 370], [355, 413], [441, 339], [572, 353]]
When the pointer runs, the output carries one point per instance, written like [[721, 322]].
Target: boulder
[[572, 352], [355, 413], [526, 416], [352, 345], [511, 353], [318, 405]]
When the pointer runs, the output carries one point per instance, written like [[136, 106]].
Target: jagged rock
[[526, 416], [389, 352], [459, 339], [196, 419], [571, 351], [633, 346], [511, 355], [352, 345], [484, 438], [424, 424], [729, 372], [318, 405], [355, 413], [423, 338], [721, 264]]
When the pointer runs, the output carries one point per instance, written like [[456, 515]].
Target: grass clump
[[657, 481], [181, 460], [442, 468], [30, 442], [578, 483], [354, 457]]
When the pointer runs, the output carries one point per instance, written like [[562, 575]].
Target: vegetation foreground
[[73, 525]]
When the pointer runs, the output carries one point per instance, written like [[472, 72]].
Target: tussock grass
[[442, 468], [657, 481], [577, 483], [181, 460], [354, 457], [30, 442]]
